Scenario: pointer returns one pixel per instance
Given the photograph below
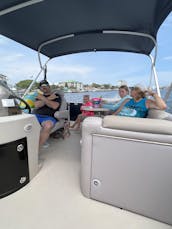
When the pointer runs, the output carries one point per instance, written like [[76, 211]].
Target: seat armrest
[[61, 114]]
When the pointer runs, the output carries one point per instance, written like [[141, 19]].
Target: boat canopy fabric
[[84, 21]]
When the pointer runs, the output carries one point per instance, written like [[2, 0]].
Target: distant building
[[72, 84]]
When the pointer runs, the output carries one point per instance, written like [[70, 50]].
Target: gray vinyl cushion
[[157, 114], [63, 114], [145, 125]]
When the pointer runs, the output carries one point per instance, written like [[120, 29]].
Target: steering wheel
[[23, 101]]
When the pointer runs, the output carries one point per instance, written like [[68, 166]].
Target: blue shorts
[[43, 118]]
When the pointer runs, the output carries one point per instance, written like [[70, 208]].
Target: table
[[98, 111]]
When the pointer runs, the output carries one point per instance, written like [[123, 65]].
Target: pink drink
[[96, 102]]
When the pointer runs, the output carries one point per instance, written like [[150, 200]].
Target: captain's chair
[[62, 114]]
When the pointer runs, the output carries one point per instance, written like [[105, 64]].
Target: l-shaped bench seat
[[127, 162]]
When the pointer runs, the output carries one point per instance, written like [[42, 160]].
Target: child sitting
[[84, 114]]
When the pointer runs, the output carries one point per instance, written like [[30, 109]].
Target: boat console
[[19, 143]]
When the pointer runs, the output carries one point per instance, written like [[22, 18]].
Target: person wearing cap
[[46, 105]]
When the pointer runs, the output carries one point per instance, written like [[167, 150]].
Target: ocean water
[[78, 97]]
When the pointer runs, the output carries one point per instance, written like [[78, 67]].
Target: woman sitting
[[123, 93], [138, 106]]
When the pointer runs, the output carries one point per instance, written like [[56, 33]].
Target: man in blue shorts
[[46, 105]]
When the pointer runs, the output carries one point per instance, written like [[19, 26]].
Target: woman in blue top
[[138, 106]]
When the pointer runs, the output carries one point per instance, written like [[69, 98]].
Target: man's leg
[[47, 124], [45, 131]]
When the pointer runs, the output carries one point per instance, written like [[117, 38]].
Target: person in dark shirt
[[46, 105]]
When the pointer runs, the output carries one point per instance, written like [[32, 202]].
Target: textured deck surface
[[53, 198]]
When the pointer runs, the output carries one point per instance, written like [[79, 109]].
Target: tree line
[[23, 84]]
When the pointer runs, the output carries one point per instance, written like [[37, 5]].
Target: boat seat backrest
[[126, 162], [63, 105], [143, 125], [159, 114], [62, 115]]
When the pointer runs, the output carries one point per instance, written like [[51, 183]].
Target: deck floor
[[53, 198]]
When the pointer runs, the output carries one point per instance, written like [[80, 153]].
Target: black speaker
[[14, 169], [75, 110]]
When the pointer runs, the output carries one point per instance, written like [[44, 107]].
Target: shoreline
[[99, 90]]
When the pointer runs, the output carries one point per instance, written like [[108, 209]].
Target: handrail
[[19, 6], [30, 86], [49, 42], [155, 75]]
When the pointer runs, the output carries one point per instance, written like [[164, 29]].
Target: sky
[[18, 63]]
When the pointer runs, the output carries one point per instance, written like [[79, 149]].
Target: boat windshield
[[9, 104]]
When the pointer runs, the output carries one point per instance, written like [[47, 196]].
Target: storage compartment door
[[133, 175], [14, 172]]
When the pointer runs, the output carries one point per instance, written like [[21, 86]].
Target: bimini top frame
[[19, 6], [102, 32], [153, 59]]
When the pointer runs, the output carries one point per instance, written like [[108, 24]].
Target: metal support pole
[[49, 42], [30, 86], [104, 32], [155, 76], [156, 81], [151, 75]]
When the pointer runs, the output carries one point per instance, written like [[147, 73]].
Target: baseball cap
[[43, 83]]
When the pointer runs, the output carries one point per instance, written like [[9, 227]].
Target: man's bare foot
[[71, 127]]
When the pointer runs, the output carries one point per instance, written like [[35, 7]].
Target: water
[[78, 97]]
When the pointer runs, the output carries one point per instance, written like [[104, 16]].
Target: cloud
[[3, 40], [165, 74], [70, 69], [168, 21], [17, 68], [167, 58], [164, 77], [11, 58]]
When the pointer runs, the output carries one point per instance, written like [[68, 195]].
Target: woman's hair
[[140, 92], [124, 87]]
